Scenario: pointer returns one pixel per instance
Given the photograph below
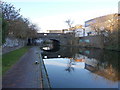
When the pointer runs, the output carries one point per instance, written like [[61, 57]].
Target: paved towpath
[[25, 73]]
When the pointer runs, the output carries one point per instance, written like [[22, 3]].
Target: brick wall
[[92, 41]]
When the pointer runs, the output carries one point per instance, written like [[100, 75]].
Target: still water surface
[[75, 67]]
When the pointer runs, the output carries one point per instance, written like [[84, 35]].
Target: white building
[[80, 32]]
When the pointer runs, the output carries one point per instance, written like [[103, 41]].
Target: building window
[[87, 41], [87, 52], [81, 40]]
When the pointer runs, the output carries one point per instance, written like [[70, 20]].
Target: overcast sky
[[51, 14]]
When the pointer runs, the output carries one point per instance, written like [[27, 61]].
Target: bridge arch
[[55, 42], [57, 38]]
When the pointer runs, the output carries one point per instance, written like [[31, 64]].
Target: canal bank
[[26, 73], [98, 41], [44, 75]]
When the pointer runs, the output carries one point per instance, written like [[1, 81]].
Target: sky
[[52, 14]]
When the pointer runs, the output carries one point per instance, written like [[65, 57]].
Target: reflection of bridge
[[64, 39], [64, 52]]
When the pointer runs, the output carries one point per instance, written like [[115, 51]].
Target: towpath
[[25, 73]]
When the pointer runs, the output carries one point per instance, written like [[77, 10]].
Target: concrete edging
[[45, 78]]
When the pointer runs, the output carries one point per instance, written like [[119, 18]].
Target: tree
[[32, 31], [20, 29], [107, 24], [69, 22], [24, 29], [9, 15], [9, 12], [97, 26], [4, 30], [15, 25], [113, 29]]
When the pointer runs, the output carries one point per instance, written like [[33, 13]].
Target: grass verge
[[9, 59]]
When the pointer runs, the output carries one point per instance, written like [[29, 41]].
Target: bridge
[[62, 38]]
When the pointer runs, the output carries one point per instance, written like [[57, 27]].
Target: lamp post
[[83, 32]]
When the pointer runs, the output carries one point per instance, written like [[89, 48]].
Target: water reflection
[[50, 48], [85, 65], [46, 48], [70, 64]]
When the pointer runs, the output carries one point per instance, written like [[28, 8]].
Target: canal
[[76, 67]]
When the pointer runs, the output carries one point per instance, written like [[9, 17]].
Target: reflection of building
[[79, 60], [108, 73], [101, 69]]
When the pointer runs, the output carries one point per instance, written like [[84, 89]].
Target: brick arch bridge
[[64, 39]]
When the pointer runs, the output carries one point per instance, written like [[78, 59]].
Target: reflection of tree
[[69, 66]]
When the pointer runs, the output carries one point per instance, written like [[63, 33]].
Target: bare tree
[[105, 24], [9, 12], [17, 25], [96, 26], [69, 22], [109, 25]]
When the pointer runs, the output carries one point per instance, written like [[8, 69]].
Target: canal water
[[75, 67]]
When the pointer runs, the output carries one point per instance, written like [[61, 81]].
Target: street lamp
[[83, 31]]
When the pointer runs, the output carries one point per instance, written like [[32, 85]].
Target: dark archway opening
[[31, 41], [51, 45], [55, 43]]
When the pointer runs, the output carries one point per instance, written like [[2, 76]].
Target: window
[[87, 52], [87, 41], [81, 40]]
